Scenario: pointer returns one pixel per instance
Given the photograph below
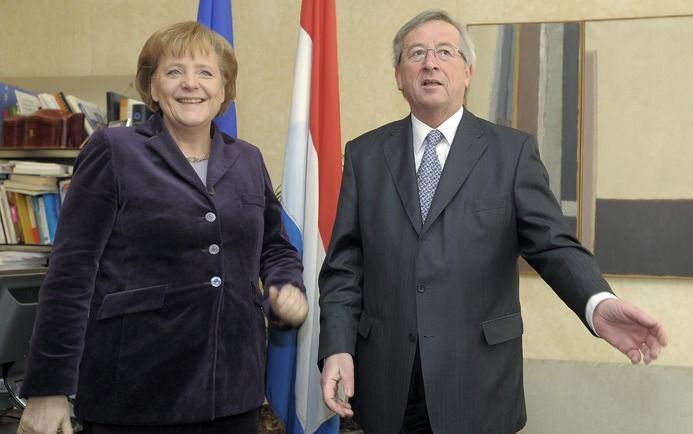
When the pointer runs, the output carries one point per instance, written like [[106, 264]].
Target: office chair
[[18, 301]]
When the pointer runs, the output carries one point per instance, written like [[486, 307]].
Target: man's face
[[434, 88]]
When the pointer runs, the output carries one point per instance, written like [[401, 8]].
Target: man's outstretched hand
[[630, 330]]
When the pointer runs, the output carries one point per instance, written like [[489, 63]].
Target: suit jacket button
[[215, 281], [420, 288], [412, 337], [210, 217]]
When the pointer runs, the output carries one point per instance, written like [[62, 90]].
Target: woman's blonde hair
[[177, 40]]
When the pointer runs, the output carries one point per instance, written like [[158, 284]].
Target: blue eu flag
[[216, 14]]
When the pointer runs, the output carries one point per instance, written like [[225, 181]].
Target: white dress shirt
[[420, 130]]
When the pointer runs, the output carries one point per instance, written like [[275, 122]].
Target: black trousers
[[416, 416], [244, 423]]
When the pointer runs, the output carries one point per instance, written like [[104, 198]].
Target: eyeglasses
[[444, 53]]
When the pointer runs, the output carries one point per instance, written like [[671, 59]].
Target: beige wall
[[101, 39]]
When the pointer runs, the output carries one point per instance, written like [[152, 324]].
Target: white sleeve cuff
[[592, 305]]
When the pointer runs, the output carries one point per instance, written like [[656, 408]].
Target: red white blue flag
[[310, 188]]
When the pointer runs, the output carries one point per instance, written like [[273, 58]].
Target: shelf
[[19, 270], [32, 248], [43, 153]]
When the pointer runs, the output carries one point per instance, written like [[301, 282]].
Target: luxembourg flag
[[310, 187], [216, 14]]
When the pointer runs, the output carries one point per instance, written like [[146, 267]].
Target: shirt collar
[[448, 128]]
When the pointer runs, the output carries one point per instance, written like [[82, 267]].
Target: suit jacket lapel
[[222, 155], [221, 158], [399, 157], [161, 142], [466, 149]]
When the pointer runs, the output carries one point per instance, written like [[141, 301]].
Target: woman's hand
[[46, 415], [289, 304]]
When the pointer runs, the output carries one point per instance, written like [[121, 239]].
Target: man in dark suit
[[420, 308]]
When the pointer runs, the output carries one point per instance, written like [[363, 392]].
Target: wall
[[80, 38]]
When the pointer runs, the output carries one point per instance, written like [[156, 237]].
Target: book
[[14, 217], [28, 189], [6, 216], [7, 95], [48, 101], [51, 207], [46, 180], [123, 113], [94, 118], [61, 99], [8, 103], [27, 257], [5, 169], [17, 200], [31, 213], [31, 184], [38, 168], [27, 102], [41, 220], [3, 234], [113, 106], [63, 187]]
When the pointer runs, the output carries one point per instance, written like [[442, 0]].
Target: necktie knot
[[434, 137], [429, 172]]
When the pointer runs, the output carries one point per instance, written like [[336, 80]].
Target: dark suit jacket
[[137, 314], [452, 284]]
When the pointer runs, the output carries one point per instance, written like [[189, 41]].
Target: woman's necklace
[[198, 159]]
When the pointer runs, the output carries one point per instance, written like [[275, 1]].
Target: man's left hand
[[630, 330]]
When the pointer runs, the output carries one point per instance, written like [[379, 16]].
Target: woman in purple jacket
[[151, 312]]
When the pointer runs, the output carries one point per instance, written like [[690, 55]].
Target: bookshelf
[[20, 195]]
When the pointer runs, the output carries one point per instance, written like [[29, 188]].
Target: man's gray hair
[[466, 44]]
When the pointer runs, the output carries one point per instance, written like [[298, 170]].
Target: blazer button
[[420, 288], [215, 281], [210, 217], [412, 337], [213, 249]]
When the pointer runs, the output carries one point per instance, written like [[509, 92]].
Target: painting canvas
[[528, 77]]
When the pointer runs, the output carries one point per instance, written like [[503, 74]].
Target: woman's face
[[189, 89]]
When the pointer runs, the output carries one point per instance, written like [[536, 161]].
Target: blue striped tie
[[429, 172]]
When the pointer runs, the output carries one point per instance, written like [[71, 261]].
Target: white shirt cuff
[[592, 305]]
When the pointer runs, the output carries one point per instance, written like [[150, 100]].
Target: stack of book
[[22, 259], [30, 199]]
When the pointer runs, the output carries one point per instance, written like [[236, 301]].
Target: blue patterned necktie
[[429, 172]]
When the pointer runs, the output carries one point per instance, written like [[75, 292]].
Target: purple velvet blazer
[[151, 310]]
